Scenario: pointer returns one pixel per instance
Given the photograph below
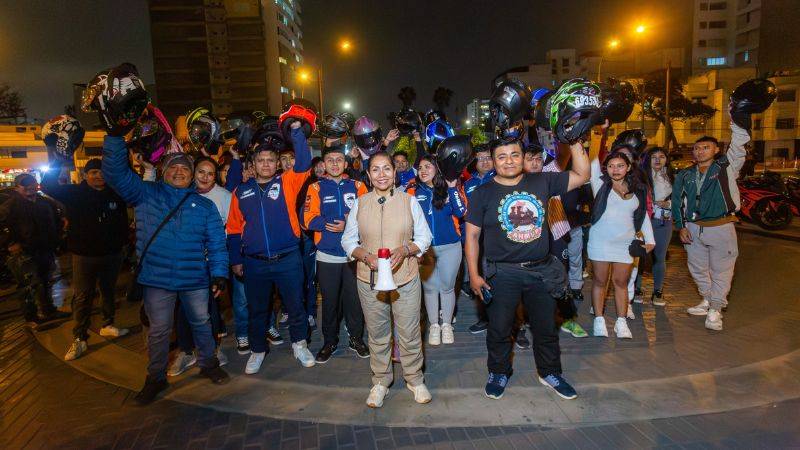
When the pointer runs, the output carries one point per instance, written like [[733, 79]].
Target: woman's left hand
[[649, 247], [398, 255]]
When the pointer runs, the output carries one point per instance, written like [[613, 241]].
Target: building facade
[[229, 55], [726, 34], [478, 113]]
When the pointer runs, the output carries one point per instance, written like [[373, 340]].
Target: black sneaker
[[150, 390], [577, 295], [325, 353], [560, 385], [657, 299], [478, 327], [522, 340], [53, 315], [274, 337], [215, 374], [496, 385], [242, 345], [358, 346]]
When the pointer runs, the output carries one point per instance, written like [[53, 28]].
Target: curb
[[769, 234]]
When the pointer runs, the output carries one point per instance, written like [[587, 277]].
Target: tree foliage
[[407, 96], [441, 97], [681, 108], [10, 103], [476, 135]]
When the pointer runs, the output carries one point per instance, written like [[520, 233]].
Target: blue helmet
[[437, 131], [537, 95]]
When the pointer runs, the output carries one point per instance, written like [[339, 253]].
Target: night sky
[[46, 45]]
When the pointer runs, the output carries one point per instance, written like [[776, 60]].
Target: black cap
[[92, 164]]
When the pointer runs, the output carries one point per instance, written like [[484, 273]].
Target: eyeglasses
[[483, 158]]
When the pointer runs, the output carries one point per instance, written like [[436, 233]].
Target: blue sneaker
[[496, 385], [558, 384]]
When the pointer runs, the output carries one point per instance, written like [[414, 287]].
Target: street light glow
[[468, 122], [346, 106], [304, 75], [640, 29], [345, 45], [614, 43]]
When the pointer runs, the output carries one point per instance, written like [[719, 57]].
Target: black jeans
[[535, 287], [88, 272], [32, 271], [337, 282]]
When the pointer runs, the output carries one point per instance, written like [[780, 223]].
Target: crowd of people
[[268, 223]]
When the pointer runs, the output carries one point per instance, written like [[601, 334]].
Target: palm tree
[[407, 96], [441, 98]]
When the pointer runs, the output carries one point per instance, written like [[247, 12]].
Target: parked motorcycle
[[764, 206]]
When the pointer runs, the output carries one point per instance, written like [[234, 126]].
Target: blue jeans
[[662, 232], [159, 304], [259, 279], [183, 330], [239, 303]]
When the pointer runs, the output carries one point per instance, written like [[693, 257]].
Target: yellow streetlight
[[640, 29], [613, 44], [304, 76], [345, 45]]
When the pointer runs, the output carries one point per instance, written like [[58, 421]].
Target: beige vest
[[386, 226]]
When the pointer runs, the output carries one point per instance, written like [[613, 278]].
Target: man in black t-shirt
[[511, 212]]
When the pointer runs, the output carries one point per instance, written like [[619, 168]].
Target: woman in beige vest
[[389, 218]]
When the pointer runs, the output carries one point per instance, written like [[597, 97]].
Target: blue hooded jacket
[[190, 249], [442, 222]]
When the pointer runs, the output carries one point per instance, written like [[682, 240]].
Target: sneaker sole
[[521, 347], [276, 342], [573, 334], [243, 352], [357, 354], [659, 304], [329, 357], [182, 371], [477, 332], [493, 397], [704, 313], [545, 384]]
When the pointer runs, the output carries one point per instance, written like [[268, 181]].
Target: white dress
[[610, 237]]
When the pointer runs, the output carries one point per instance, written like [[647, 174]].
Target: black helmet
[[368, 136], [407, 122], [298, 109], [634, 139], [751, 97], [618, 98], [453, 155], [542, 111], [204, 129], [63, 135], [268, 135], [334, 126], [574, 109], [509, 103], [234, 125], [118, 95]]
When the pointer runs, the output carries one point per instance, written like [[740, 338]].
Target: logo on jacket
[[112, 206], [247, 193], [274, 191], [521, 216], [349, 199]]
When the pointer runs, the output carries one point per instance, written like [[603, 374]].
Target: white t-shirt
[[222, 198]]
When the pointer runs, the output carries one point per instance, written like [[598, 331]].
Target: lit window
[[282, 60], [293, 44], [297, 58], [715, 61], [284, 90]]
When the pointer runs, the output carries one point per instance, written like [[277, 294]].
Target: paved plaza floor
[[674, 385]]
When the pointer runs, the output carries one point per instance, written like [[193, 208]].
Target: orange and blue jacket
[[326, 202], [442, 222], [262, 220]]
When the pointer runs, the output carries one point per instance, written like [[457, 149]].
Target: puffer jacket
[[190, 248]]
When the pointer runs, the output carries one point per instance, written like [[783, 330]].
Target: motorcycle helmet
[[63, 135], [433, 115], [513, 132], [751, 97], [453, 155], [269, 135], [437, 131], [574, 109], [635, 139], [368, 136], [541, 113], [204, 130], [117, 95], [407, 122], [334, 126], [537, 95], [152, 136], [298, 109], [617, 100], [510, 101]]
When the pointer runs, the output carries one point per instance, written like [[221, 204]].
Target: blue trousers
[[159, 304], [259, 279], [662, 232], [183, 330], [310, 277], [239, 303]]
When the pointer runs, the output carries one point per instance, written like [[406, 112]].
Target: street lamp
[[346, 106], [613, 44], [345, 45], [304, 77], [639, 32]]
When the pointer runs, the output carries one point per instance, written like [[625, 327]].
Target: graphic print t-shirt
[[513, 218]]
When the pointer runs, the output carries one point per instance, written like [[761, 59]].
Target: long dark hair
[[647, 164], [631, 178], [439, 185]]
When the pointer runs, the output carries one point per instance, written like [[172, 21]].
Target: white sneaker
[[441, 314], [714, 320], [301, 352], [421, 393], [700, 310], [435, 334], [621, 329], [182, 363], [447, 334], [600, 327], [254, 362], [221, 357], [631, 315], [591, 310], [376, 396], [112, 331], [75, 351]]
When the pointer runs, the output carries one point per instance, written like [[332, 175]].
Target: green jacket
[[719, 194]]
